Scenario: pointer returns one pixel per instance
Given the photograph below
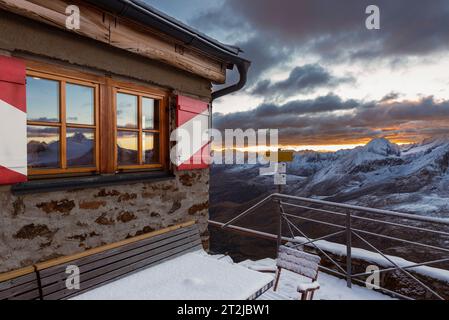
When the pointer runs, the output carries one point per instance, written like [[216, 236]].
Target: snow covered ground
[[331, 288], [199, 276], [192, 276], [376, 259]]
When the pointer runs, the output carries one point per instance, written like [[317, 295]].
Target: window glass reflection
[[79, 104], [150, 148], [43, 147], [80, 147], [127, 148], [42, 97], [126, 111]]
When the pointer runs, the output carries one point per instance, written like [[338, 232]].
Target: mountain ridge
[[412, 178]]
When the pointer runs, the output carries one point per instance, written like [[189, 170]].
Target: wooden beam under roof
[[121, 33]]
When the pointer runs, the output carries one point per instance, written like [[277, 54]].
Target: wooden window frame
[[63, 125], [139, 130], [105, 121]]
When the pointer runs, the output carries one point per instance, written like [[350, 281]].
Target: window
[[62, 130], [138, 130], [85, 124]]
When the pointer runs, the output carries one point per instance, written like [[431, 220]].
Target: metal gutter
[[242, 68], [142, 13]]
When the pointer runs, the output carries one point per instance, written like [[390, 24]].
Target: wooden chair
[[302, 263]]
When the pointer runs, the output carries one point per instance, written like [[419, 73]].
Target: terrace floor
[[331, 288], [199, 276]]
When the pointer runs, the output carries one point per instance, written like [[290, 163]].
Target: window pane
[[43, 147], [42, 100], [126, 111], [80, 104], [80, 147], [127, 149], [150, 114], [150, 148]]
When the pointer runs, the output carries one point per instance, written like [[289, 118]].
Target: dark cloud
[[304, 79], [391, 96], [312, 122], [264, 55], [337, 29]]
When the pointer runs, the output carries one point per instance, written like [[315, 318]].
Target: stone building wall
[[41, 226]]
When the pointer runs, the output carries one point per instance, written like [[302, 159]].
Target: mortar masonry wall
[[42, 226], [39, 227]]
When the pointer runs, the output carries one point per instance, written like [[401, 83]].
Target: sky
[[321, 77]]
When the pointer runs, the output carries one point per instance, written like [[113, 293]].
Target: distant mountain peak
[[383, 147], [440, 139], [78, 137]]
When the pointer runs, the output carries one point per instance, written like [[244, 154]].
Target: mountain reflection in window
[[43, 147], [150, 148], [127, 148], [80, 147]]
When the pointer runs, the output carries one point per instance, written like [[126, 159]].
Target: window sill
[[63, 184]]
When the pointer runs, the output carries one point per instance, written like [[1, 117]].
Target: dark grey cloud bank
[[274, 32], [408, 26], [304, 79], [313, 122], [277, 29]]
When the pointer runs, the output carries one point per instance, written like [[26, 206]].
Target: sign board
[[282, 156]]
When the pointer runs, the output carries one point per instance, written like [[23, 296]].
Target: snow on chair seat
[[302, 263], [302, 287]]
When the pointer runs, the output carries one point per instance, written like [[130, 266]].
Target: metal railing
[[355, 224]]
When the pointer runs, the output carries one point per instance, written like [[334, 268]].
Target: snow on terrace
[[376, 259], [192, 276], [331, 288], [199, 276]]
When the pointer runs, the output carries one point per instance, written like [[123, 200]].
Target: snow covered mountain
[[80, 152], [381, 174]]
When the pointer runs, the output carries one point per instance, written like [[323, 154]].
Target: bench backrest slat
[[122, 272], [24, 287], [119, 262], [298, 261], [113, 254], [100, 266]]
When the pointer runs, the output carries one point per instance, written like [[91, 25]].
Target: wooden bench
[[20, 284], [103, 264]]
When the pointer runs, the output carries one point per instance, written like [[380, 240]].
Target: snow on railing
[[356, 224]]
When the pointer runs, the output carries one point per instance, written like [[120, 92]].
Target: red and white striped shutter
[[13, 134], [193, 116]]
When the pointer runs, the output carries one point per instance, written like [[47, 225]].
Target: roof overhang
[[136, 27]]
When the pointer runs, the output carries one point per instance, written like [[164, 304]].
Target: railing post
[[348, 250], [281, 213]]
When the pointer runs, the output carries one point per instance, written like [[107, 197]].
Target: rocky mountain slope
[[408, 178]]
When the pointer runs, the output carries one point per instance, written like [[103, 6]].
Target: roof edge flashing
[[146, 15]]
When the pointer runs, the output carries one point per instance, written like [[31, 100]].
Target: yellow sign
[[282, 156]]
